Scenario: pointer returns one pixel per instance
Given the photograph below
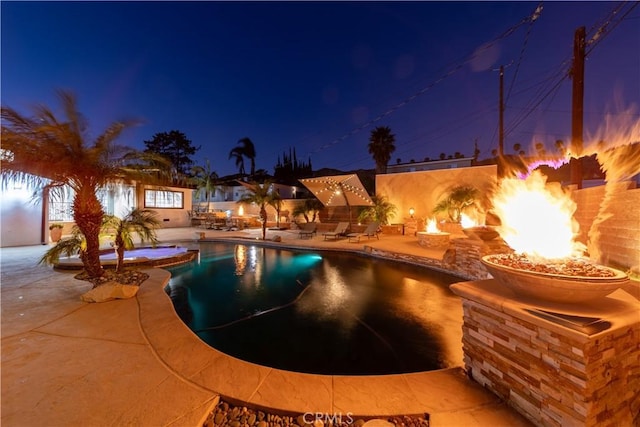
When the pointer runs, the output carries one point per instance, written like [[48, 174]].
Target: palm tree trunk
[[88, 213], [119, 244], [263, 216]]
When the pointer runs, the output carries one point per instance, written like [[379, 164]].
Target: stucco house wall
[[20, 219], [22, 222], [423, 189]]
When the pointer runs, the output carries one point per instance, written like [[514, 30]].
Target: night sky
[[319, 76]]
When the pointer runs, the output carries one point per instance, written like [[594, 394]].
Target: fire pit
[[432, 240], [573, 281]]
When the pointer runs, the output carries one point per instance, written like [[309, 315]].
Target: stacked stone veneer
[[553, 375], [464, 256], [433, 240]]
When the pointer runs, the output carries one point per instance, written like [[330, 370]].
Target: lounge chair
[[307, 230], [370, 231], [340, 231]]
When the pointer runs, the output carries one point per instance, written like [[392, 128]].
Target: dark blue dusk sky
[[318, 76]]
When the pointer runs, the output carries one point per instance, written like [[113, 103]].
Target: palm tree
[[75, 244], [380, 212], [457, 201], [312, 205], [245, 149], [259, 194], [142, 222], [204, 179], [275, 200], [249, 151], [381, 145], [236, 153], [43, 151]]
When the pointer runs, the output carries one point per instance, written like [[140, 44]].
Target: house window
[[61, 204], [163, 199]]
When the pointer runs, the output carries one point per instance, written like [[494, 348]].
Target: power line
[[615, 17], [530, 18]]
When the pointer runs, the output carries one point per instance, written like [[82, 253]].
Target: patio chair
[[370, 231], [307, 230], [340, 231]]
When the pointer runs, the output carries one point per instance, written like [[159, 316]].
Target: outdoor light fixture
[[411, 212]]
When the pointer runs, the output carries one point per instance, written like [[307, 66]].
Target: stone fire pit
[[433, 240]]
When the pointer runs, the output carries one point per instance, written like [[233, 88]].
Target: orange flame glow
[[432, 226], [467, 222], [537, 218]]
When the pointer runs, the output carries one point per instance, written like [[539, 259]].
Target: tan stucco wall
[[423, 190]]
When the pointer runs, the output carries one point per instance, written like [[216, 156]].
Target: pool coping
[[74, 263], [289, 392]]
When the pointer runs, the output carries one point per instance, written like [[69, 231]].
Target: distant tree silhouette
[[175, 146], [289, 169]]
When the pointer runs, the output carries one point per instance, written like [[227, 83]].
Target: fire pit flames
[[548, 263], [432, 237]]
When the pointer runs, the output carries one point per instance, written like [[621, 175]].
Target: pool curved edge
[[74, 263], [194, 361]]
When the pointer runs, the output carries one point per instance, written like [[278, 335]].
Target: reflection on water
[[241, 259], [330, 313]]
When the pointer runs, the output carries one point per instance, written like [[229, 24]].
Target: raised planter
[[393, 229]]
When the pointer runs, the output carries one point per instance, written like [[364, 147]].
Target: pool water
[[317, 312]]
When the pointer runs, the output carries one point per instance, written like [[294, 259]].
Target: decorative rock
[[109, 292], [277, 239], [226, 415], [377, 423], [219, 418]]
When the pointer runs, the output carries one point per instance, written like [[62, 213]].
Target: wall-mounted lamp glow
[[411, 212]]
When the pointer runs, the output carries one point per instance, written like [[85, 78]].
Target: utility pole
[[501, 122], [577, 107]]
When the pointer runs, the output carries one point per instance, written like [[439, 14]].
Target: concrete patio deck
[[133, 362]]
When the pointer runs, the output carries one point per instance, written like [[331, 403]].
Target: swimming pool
[[317, 312]]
